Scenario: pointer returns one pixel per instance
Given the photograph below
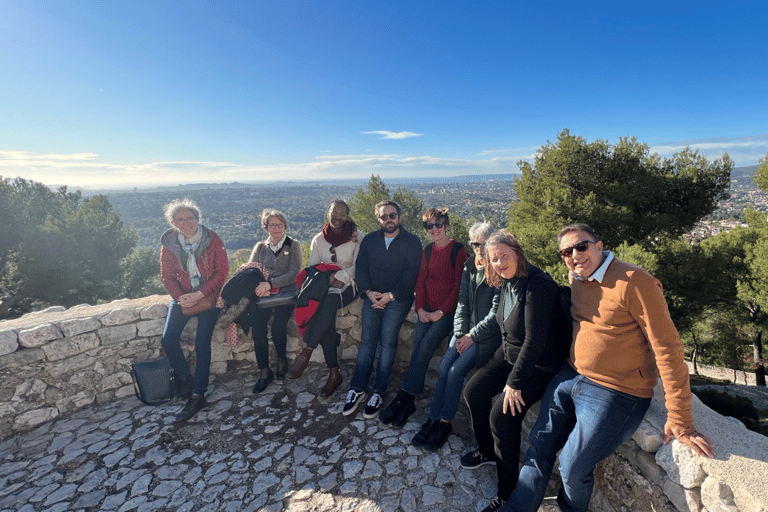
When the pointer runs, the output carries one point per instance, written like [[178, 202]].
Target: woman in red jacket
[[193, 268]]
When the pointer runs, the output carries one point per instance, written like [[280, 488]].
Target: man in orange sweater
[[623, 340]]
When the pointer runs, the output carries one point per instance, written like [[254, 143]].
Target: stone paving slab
[[284, 449]]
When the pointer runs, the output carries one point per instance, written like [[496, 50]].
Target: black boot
[[406, 409], [185, 387], [194, 404], [390, 412]]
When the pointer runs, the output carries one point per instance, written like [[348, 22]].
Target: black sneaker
[[474, 460], [373, 406], [194, 404], [421, 436], [350, 405], [438, 436], [496, 505]]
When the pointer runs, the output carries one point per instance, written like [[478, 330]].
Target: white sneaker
[[373, 406], [350, 405]]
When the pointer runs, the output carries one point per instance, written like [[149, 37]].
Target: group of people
[[592, 361]]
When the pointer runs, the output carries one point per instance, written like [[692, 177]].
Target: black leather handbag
[[154, 381]]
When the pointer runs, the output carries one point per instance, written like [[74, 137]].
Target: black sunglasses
[[581, 247], [430, 225], [476, 244], [333, 254], [392, 216]]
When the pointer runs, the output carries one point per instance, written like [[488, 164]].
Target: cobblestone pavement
[[284, 449]]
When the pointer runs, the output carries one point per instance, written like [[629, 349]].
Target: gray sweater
[[285, 266]]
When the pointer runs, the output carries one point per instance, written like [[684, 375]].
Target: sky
[[131, 94]]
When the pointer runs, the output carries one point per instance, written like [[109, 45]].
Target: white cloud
[[743, 150], [386, 134]]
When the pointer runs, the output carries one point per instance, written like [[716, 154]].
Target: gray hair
[[170, 209], [481, 229], [268, 213]]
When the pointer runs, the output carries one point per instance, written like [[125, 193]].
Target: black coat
[[537, 330]]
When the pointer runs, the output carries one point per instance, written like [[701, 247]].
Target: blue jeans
[[454, 368], [379, 328], [588, 421], [174, 325], [426, 339]]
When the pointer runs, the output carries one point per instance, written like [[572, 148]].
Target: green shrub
[[737, 407]]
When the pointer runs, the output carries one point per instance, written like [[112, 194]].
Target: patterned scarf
[[190, 247]]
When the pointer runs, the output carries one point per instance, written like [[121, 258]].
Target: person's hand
[[512, 398], [262, 289], [689, 437], [337, 284], [190, 299], [375, 298], [331, 278], [434, 316], [463, 343], [422, 315]]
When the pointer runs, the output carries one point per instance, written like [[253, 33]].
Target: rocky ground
[[285, 449]]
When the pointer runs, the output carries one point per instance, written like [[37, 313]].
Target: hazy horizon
[[136, 94]]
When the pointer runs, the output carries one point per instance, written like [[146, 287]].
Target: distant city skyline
[[128, 94]]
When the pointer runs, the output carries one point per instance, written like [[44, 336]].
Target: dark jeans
[[174, 325], [588, 421], [322, 328], [379, 329], [279, 332], [427, 337], [498, 434]]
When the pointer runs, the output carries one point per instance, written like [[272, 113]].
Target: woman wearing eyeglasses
[[535, 335], [437, 293], [476, 337], [337, 244], [282, 256]]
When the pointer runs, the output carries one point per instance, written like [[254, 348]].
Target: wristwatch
[[391, 297]]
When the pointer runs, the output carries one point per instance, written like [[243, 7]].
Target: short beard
[[390, 229]]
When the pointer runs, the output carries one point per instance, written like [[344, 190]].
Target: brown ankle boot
[[300, 364], [334, 379]]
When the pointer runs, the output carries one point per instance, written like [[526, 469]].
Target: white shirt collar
[[276, 247], [598, 274]]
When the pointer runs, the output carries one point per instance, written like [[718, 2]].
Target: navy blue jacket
[[389, 270]]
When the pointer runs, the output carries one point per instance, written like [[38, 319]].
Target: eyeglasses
[[476, 245], [581, 247], [185, 219], [430, 225], [392, 216], [276, 226], [333, 254]]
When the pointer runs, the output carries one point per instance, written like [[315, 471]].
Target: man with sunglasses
[[623, 340], [386, 270]]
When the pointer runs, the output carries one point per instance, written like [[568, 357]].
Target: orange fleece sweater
[[624, 338]]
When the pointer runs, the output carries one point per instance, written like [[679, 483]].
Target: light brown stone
[[78, 326]]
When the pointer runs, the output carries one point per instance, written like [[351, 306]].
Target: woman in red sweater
[[437, 293]]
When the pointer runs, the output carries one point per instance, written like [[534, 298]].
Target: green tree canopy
[[622, 190], [58, 248]]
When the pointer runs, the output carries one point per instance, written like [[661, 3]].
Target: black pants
[[279, 332], [322, 328], [498, 434]]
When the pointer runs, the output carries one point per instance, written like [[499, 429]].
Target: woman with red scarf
[[337, 244]]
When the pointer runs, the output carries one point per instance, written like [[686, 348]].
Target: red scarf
[[348, 231]]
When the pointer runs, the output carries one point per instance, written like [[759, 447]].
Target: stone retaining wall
[[56, 361]]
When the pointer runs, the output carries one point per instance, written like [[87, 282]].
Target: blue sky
[[143, 93]]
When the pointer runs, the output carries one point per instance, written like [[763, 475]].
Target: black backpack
[[454, 252]]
